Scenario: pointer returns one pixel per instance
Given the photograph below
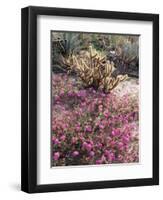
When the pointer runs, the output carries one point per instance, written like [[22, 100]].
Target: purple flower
[[61, 93], [77, 128], [84, 144], [112, 143], [91, 153], [57, 98], [70, 93], [81, 93], [56, 155], [107, 153], [64, 126], [75, 153], [111, 156], [120, 144], [103, 94], [98, 161], [99, 145], [74, 140], [125, 139], [87, 146], [55, 140], [115, 133], [120, 157], [106, 113], [101, 126], [100, 107], [88, 128], [63, 137]]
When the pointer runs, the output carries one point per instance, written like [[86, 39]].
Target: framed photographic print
[[90, 99]]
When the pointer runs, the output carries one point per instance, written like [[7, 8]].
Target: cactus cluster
[[94, 70]]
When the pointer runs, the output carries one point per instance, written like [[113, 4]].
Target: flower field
[[92, 127]]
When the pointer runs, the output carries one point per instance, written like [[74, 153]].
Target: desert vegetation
[[95, 98]]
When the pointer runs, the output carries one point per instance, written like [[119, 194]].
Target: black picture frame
[[29, 99]]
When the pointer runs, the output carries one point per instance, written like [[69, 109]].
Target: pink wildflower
[[100, 108], [75, 153], [55, 140], [77, 128], [91, 153], [63, 137], [70, 93], [106, 113], [56, 155], [111, 156], [101, 126], [74, 140], [87, 146], [57, 98], [61, 93], [106, 153], [125, 139], [115, 133], [88, 128], [99, 161], [120, 145]]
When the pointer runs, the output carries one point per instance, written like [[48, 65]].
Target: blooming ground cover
[[90, 127]]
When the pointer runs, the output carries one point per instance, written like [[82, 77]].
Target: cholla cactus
[[94, 70]]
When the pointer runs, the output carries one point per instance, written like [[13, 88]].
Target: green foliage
[[123, 50]]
